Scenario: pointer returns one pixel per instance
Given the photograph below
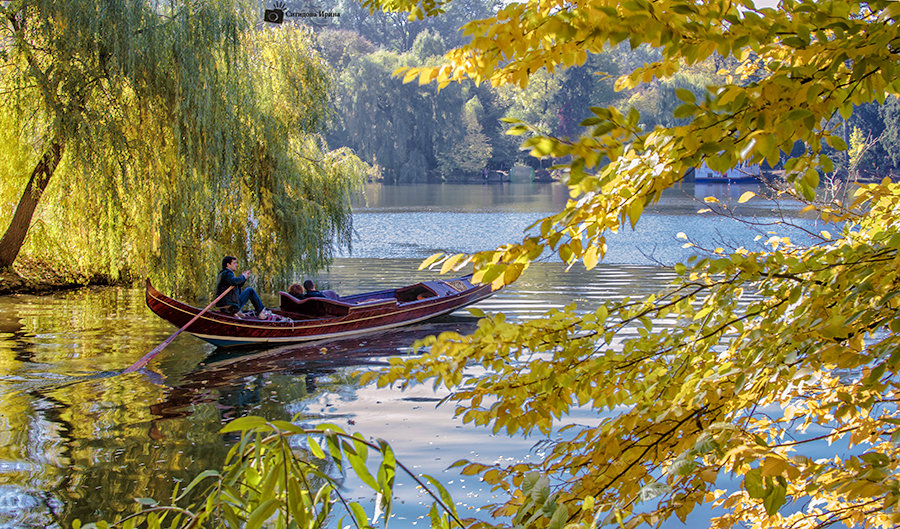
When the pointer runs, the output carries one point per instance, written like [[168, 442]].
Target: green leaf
[[359, 514], [200, 477], [634, 117], [775, 498], [359, 467], [262, 513], [565, 253], [287, 426], [601, 112], [685, 111], [271, 478], [559, 518], [387, 469], [444, 494], [243, 424], [459, 463], [603, 128], [837, 143], [685, 95], [334, 448], [753, 483], [315, 448]]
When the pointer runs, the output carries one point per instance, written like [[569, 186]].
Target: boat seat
[[414, 293], [313, 307]]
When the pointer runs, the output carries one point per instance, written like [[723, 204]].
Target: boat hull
[[319, 319]]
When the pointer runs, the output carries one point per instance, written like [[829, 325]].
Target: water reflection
[[534, 197], [234, 380], [420, 220], [78, 443], [526, 198]]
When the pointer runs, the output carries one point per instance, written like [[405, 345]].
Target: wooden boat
[[227, 377], [323, 318]]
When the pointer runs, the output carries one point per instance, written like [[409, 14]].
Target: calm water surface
[[76, 442], [418, 221]]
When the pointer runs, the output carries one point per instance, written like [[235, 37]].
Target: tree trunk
[[15, 234]]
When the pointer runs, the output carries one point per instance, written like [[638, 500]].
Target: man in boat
[[235, 300], [311, 291]]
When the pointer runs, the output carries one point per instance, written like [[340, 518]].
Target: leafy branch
[[265, 479]]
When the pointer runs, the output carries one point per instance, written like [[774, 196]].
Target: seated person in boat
[[311, 291], [235, 300], [296, 290]]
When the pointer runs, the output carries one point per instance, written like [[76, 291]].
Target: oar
[[156, 350]]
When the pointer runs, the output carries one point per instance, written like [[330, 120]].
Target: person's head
[[296, 290], [230, 262], [309, 285]]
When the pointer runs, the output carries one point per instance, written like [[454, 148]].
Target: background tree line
[[416, 133], [240, 159]]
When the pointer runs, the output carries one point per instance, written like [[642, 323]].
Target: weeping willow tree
[[153, 137]]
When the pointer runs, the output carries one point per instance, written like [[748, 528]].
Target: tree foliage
[[718, 390], [180, 133], [392, 132], [470, 150], [715, 391], [283, 476], [395, 31], [427, 126], [412, 133]]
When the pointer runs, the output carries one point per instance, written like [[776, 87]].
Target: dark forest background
[[413, 133]]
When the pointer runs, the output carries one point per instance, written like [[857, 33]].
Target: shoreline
[[11, 283], [33, 278]]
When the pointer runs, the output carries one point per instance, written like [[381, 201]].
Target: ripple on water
[[20, 507], [98, 443]]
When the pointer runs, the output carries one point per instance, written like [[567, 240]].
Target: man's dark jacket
[[225, 279]]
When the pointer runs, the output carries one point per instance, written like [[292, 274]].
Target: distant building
[[741, 173]]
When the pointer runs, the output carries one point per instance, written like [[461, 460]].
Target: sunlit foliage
[[716, 391], [183, 133], [282, 476]]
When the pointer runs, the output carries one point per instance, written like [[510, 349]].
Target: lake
[[78, 443]]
